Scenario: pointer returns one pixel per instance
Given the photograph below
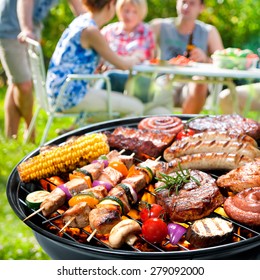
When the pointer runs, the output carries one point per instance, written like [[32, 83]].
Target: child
[[128, 35], [77, 52]]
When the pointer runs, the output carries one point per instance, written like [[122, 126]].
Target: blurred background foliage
[[237, 21]]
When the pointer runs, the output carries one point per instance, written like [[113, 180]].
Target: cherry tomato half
[[119, 166], [185, 133], [154, 230], [151, 211]]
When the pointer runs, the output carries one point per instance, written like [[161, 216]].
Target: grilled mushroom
[[123, 232]]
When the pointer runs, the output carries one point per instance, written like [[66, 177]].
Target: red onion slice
[[104, 161], [107, 185], [64, 188], [175, 231], [133, 192]]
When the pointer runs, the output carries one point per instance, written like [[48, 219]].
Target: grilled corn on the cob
[[64, 158]]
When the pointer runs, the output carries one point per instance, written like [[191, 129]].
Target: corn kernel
[[64, 158]]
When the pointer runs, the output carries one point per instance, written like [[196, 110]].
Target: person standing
[[174, 35], [18, 19], [78, 52]]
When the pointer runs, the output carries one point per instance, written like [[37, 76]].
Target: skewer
[[52, 219], [122, 151], [34, 213], [92, 235], [68, 223], [40, 209], [157, 159]]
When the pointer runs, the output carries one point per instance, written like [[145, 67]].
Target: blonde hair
[[141, 5]]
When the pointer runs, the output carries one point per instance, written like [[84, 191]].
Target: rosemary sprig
[[186, 124], [177, 182]]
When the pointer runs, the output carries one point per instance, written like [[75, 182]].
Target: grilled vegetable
[[34, 199], [123, 232], [176, 232], [112, 200], [151, 211], [209, 232], [89, 198], [154, 230], [64, 158]]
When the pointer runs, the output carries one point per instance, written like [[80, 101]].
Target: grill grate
[[240, 233]]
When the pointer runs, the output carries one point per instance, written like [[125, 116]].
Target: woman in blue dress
[[78, 52]]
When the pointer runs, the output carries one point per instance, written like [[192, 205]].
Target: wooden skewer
[[122, 151], [68, 223], [92, 235], [34, 213], [157, 159]]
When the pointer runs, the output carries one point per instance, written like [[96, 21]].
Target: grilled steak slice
[[227, 123], [103, 219], [142, 142], [241, 178], [53, 202], [193, 201], [114, 155], [79, 213], [111, 176], [209, 232], [94, 169], [120, 193]]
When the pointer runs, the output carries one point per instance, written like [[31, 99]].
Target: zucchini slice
[[110, 199], [34, 199]]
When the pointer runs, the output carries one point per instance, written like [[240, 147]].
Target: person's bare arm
[[155, 25], [77, 7], [214, 43], [25, 17], [92, 38]]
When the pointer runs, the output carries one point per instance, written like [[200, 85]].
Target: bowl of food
[[234, 58]]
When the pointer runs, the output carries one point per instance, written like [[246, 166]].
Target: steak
[[241, 178], [143, 143], [193, 201], [227, 123]]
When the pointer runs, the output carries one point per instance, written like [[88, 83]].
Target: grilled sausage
[[165, 124], [244, 207], [220, 136], [205, 161], [180, 148]]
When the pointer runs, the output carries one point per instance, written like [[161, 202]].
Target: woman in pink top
[[127, 36]]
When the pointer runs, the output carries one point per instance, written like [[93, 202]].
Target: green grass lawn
[[16, 239]]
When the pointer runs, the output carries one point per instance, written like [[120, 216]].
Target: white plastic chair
[[39, 80]]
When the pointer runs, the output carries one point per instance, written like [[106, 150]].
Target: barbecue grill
[[245, 246]]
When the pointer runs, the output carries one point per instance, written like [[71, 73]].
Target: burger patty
[[193, 201]]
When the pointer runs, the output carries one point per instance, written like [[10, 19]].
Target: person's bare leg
[[196, 98], [12, 114], [23, 98], [18, 104]]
